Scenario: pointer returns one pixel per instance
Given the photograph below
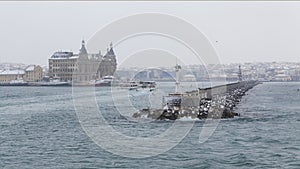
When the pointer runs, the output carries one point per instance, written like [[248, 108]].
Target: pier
[[211, 102]]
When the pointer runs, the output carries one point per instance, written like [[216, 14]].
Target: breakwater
[[211, 102]]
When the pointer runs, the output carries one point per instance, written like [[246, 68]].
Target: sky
[[31, 32]]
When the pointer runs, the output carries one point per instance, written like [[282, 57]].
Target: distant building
[[83, 66], [62, 64], [189, 78], [33, 73], [8, 75], [282, 77], [108, 64]]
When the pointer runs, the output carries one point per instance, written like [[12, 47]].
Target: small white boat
[[133, 86], [18, 82], [53, 82], [106, 81], [147, 84]]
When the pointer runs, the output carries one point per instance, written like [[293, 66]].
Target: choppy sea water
[[39, 129]]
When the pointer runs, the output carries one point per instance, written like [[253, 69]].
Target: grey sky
[[240, 31]]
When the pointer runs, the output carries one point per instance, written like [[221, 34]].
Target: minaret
[[240, 74]]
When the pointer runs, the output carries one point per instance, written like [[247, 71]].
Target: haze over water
[[39, 129]]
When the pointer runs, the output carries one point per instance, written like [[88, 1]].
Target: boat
[[106, 81], [133, 86], [152, 89], [147, 84], [52, 82], [18, 82]]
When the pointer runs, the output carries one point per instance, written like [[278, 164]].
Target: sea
[[40, 128]]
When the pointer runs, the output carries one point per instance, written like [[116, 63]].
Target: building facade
[[33, 73], [82, 66], [108, 64], [62, 65], [7, 76]]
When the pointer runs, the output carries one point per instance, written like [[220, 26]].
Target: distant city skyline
[[239, 31]]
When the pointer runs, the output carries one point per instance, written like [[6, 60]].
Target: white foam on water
[[188, 118]]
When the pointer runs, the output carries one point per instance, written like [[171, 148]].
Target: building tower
[[82, 50], [108, 63]]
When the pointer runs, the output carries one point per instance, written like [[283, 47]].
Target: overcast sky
[[240, 31]]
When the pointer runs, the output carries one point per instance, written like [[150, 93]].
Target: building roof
[[111, 51], [12, 72], [73, 57], [62, 54], [282, 75], [30, 68]]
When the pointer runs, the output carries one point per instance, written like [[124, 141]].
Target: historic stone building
[[33, 73], [7, 76], [82, 67], [108, 64]]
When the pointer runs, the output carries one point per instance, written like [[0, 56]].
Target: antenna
[[240, 74]]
